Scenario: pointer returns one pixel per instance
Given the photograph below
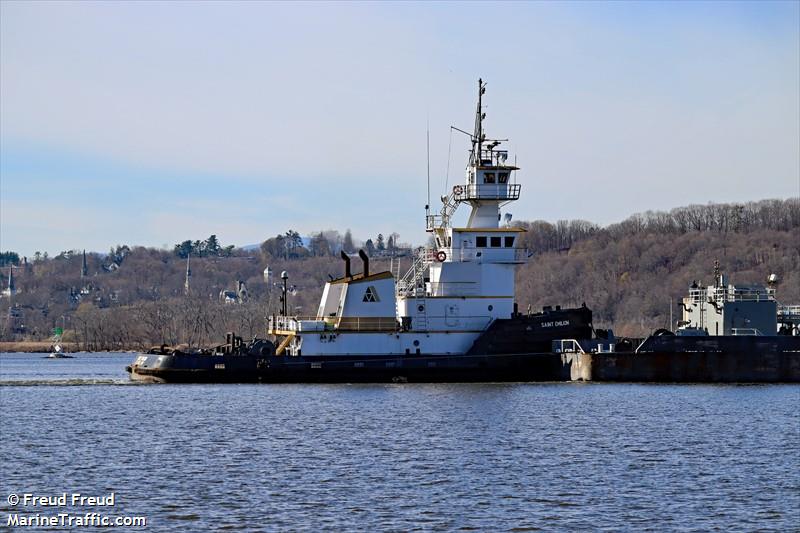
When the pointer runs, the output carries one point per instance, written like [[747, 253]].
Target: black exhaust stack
[[364, 258], [346, 258]]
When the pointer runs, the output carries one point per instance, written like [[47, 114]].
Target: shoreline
[[47, 347]]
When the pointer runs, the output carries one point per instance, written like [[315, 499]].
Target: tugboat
[[451, 317]]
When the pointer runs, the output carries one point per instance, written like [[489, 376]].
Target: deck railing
[[732, 294], [299, 324], [487, 191], [282, 325], [789, 312], [567, 346], [748, 332]]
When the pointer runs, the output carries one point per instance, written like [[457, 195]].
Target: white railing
[[449, 206], [732, 294], [278, 324], [487, 191], [747, 332], [567, 346], [789, 312], [283, 325]]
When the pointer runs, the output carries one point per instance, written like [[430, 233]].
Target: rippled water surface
[[508, 457]]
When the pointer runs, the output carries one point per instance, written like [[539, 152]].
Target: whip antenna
[[428, 154], [449, 146]]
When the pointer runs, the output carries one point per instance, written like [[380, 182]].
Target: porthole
[[491, 307], [420, 308], [416, 343]]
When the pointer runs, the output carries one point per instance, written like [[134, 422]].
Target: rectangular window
[[488, 177], [509, 242], [496, 242], [480, 242], [502, 177]]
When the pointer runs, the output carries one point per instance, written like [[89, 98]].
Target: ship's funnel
[[364, 258], [346, 258]]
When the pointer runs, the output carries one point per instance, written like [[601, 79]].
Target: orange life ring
[[458, 190], [441, 256]]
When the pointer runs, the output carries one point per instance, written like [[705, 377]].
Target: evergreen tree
[[9, 258], [212, 245], [183, 249], [370, 246], [347, 244], [293, 243], [198, 248]]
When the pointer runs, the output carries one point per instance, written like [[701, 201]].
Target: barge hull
[[357, 369], [665, 360], [670, 359], [685, 367]]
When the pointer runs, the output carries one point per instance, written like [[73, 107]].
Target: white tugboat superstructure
[[451, 294]]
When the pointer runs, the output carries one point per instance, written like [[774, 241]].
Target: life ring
[[458, 190], [441, 256]]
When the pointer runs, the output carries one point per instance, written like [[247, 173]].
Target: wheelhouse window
[[480, 242], [488, 177], [509, 242], [502, 177], [496, 242]]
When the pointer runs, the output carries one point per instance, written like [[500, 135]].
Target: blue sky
[[150, 123]]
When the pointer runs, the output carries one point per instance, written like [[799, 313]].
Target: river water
[[488, 457]]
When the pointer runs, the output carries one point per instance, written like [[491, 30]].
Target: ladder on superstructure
[[449, 206], [394, 268], [409, 284]]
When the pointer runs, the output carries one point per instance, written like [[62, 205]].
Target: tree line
[[628, 273], [775, 215], [290, 245], [207, 248]]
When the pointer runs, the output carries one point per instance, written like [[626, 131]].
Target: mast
[[477, 136]]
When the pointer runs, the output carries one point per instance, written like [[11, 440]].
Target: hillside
[[627, 273], [629, 282]]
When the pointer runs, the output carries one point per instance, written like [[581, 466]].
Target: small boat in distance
[[57, 351]]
